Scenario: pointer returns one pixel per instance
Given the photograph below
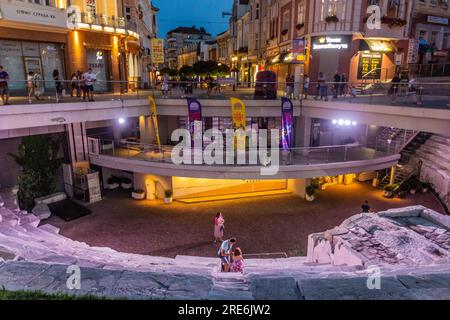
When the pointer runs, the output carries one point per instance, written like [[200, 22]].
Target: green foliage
[[202, 68], [38, 295], [310, 190], [187, 71], [38, 157], [168, 193], [170, 72]]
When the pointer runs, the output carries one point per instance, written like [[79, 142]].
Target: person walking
[[323, 86], [306, 83], [4, 90], [58, 86], [165, 85], [336, 85], [365, 207], [288, 87], [30, 86], [237, 265], [209, 84], [38, 85], [393, 90], [73, 84], [343, 86], [89, 78], [219, 226], [224, 253]]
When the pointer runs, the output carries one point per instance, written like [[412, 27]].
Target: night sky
[[186, 13]]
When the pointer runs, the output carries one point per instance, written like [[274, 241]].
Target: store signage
[[298, 51], [157, 51], [10, 48], [413, 51], [437, 20], [30, 49], [27, 13], [331, 42], [370, 65]]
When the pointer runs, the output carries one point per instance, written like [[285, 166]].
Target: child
[[353, 92], [238, 261]]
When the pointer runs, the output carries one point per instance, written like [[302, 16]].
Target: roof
[[189, 30]]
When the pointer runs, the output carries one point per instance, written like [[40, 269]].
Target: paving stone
[[274, 288], [352, 289]]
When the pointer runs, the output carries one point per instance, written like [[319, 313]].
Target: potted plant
[[168, 196], [389, 190], [113, 183], [425, 186], [299, 26], [126, 183], [138, 194], [310, 192]]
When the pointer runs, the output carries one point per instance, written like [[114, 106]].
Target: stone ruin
[[435, 157], [412, 236]]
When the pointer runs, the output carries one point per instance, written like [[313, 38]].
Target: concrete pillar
[[299, 70], [302, 131], [115, 64], [76, 52], [150, 189], [78, 147], [297, 186], [147, 130]]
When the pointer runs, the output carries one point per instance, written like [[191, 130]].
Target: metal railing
[[106, 21], [412, 94], [293, 156]]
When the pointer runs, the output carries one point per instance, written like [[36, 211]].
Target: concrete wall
[[162, 183], [298, 186], [9, 170]]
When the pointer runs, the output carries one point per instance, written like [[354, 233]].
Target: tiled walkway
[[267, 224]]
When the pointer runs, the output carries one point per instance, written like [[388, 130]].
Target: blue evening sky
[[186, 13]]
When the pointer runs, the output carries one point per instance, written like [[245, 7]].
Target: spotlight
[[341, 122], [348, 122], [354, 123], [335, 121], [121, 120]]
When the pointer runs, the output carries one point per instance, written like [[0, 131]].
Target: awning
[[375, 45]]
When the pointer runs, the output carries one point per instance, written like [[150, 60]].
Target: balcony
[[104, 23]]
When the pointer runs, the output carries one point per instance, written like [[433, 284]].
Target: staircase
[[394, 140], [405, 169]]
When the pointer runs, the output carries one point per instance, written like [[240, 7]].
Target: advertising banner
[[238, 120], [157, 51], [154, 118], [238, 114], [195, 119], [287, 114], [370, 65], [298, 50]]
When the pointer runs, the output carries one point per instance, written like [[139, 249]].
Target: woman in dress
[[238, 261], [219, 223]]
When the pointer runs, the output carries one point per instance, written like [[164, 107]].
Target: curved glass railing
[[293, 156]]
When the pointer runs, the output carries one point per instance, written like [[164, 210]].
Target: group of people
[[81, 84], [230, 256], [402, 84], [187, 84], [340, 86]]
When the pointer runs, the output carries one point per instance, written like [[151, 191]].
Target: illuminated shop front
[[21, 57]]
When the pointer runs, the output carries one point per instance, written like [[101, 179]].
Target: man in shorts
[[4, 90], [89, 78], [225, 253]]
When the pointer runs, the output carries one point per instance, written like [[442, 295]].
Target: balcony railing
[[106, 21], [287, 157]]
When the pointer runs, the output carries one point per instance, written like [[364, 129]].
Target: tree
[[170, 72], [187, 70], [38, 157]]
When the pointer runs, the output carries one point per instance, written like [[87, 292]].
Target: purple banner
[[195, 118], [287, 113]]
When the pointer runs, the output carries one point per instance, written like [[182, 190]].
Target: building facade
[[298, 37], [71, 36], [180, 37]]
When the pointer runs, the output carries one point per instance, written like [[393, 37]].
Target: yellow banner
[[238, 114], [154, 118], [157, 51], [238, 117]]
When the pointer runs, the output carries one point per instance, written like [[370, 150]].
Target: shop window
[[332, 8], [51, 60], [12, 61], [301, 13]]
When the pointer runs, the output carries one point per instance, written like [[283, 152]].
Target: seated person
[[238, 261]]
